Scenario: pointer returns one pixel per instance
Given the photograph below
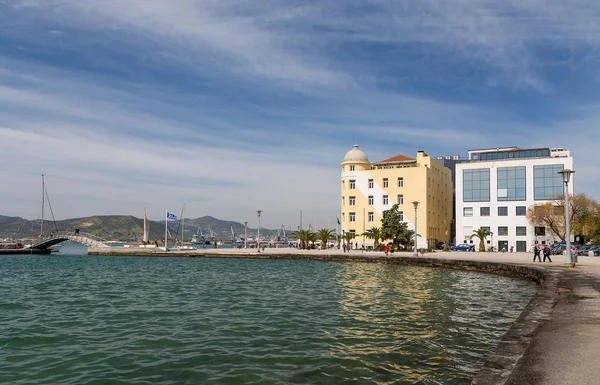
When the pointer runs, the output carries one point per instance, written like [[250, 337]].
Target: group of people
[[537, 251]]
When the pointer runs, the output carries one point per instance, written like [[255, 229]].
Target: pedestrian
[[512, 248], [547, 254], [536, 253], [387, 249], [355, 245], [344, 247]]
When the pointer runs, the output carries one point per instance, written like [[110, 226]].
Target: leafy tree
[[325, 235], [373, 233], [481, 234], [305, 237], [395, 229], [584, 215]]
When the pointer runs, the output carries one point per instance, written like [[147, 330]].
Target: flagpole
[[166, 219]]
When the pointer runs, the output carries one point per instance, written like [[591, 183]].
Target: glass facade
[[536, 153], [476, 185], [547, 182], [511, 183]]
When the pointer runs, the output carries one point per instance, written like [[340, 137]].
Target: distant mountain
[[124, 227]]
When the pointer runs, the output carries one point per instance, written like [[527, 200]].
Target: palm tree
[[348, 237], [324, 235], [373, 233], [481, 233], [338, 238], [303, 236]]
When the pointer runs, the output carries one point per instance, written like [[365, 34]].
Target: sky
[[230, 106]]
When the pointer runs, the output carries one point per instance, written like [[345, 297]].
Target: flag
[[171, 216], [338, 221]]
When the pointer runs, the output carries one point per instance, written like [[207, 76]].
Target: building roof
[[355, 155], [397, 158]]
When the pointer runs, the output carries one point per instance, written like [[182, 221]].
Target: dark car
[[463, 247]]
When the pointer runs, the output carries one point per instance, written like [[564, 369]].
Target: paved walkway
[[555, 341]]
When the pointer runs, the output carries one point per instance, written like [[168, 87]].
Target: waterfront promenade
[[555, 341]]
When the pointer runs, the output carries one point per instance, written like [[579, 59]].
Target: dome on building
[[355, 155]]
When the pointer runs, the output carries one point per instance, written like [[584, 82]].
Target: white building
[[495, 187]]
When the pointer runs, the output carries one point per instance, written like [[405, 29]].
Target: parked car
[[463, 247], [595, 250], [583, 250]]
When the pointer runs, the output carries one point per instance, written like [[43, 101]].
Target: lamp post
[[258, 241], [415, 251], [566, 175], [245, 235]]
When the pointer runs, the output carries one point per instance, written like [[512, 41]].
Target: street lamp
[[245, 234], [258, 242], [415, 251], [566, 175]]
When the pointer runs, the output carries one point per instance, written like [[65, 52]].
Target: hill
[[125, 228]]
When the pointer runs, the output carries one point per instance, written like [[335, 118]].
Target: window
[[521, 211], [370, 183], [352, 217], [467, 211], [540, 231], [385, 182], [521, 230], [547, 182], [352, 168], [484, 211], [352, 201], [400, 199], [521, 246], [385, 200], [371, 216], [371, 200], [353, 232], [502, 211], [352, 184], [503, 245], [400, 182], [401, 215], [343, 201], [502, 230], [511, 183], [476, 185]]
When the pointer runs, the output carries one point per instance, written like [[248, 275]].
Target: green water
[[73, 319]]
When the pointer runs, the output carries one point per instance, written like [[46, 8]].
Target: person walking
[[387, 249], [536, 253], [547, 254]]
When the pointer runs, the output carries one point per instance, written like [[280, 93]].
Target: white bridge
[[79, 237]]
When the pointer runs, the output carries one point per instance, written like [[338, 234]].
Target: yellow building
[[368, 189]]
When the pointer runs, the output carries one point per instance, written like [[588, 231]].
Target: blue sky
[[233, 106]]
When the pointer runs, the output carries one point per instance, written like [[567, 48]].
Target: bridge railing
[[82, 234]]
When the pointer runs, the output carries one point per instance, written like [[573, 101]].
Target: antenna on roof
[[355, 139]]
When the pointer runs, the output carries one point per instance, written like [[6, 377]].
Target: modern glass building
[[495, 187]]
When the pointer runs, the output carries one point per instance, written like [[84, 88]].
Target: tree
[[481, 234], [305, 237], [348, 237], [325, 235], [338, 239], [373, 233], [395, 229], [584, 215]]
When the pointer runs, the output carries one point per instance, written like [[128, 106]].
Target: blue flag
[[171, 216]]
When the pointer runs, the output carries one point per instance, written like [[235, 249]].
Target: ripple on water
[[70, 319]]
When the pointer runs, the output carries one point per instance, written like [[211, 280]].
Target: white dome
[[355, 155]]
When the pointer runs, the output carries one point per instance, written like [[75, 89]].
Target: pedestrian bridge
[[84, 238]]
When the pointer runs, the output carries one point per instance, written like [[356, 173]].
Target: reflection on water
[[74, 319], [409, 322]]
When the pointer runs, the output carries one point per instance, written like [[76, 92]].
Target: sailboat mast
[[42, 224]]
